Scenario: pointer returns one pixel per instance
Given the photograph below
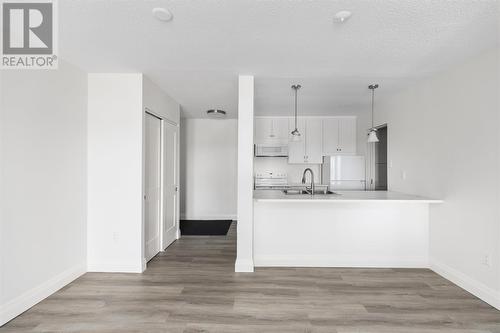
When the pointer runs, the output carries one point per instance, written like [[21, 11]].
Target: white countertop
[[341, 196]]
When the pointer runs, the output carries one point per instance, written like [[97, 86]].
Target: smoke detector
[[342, 16], [162, 14]]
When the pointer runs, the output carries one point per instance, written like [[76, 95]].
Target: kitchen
[[314, 190]]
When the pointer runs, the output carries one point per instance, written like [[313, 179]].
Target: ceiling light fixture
[[295, 133], [162, 14], [215, 113], [342, 16], [372, 133]]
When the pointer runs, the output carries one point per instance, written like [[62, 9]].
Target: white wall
[[160, 102], [116, 109], [43, 185], [115, 166], [208, 168], [443, 134], [244, 246]]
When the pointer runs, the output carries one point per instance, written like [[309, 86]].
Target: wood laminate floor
[[192, 287]]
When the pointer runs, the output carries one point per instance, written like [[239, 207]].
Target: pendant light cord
[[372, 87], [296, 87], [295, 107], [373, 97]]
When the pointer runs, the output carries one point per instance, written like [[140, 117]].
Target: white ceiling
[[197, 56]]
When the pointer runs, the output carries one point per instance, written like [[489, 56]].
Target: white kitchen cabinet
[[297, 149], [339, 136], [271, 130], [314, 141], [347, 135], [310, 148]]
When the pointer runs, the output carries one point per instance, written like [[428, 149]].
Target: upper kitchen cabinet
[[271, 130], [309, 149], [339, 136]]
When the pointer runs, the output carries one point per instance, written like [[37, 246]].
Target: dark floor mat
[[205, 227]]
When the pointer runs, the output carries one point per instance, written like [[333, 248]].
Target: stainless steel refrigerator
[[344, 173]]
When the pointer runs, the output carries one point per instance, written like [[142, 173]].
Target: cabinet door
[[314, 141], [347, 135], [297, 149], [263, 128], [330, 136], [280, 129]]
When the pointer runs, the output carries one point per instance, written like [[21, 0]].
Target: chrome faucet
[[312, 179]]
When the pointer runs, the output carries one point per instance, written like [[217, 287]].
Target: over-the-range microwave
[[271, 150]]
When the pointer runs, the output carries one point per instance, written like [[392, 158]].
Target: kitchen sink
[[291, 191], [301, 191]]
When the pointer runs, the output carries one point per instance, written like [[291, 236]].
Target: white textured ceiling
[[196, 57]]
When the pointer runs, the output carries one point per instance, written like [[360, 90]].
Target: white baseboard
[[18, 305], [208, 217], [306, 261], [478, 289], [243, 266], [152, 246], [116, 267]]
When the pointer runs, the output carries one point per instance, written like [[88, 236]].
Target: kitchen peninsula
[[347, 229]]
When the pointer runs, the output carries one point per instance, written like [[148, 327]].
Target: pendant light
[[372, 134], [295, 133]]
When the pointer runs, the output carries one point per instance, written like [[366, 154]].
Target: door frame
[[163, 121]]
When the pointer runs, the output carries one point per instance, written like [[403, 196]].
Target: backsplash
[[280, 165]]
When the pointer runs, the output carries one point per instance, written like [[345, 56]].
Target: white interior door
[[170, 185], [152, 189]]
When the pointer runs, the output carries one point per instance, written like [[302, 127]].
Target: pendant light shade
[[295, 133], [372, 134]]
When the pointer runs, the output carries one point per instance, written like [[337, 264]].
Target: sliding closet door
[[170, 184], [152, 194]]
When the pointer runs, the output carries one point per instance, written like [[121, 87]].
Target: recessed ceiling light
[[342, 16], [215, 113], [162, 14]]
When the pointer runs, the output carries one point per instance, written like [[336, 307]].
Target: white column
[[244, 248]]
